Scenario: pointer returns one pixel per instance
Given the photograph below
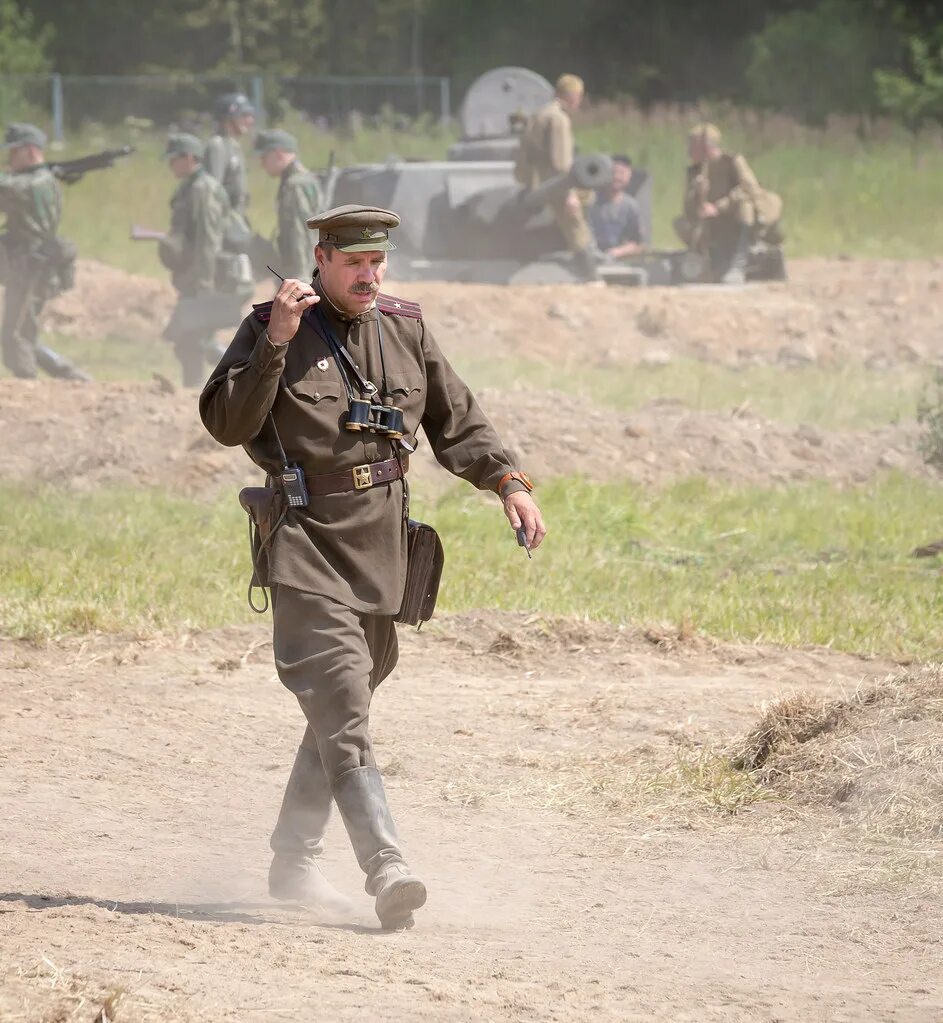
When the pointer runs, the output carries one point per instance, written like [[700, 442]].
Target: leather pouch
[[425, 559]]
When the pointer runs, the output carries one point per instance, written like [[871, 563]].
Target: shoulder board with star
[[262, 311], [392, 306]]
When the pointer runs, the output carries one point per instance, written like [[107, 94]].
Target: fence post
[[445, 100], [258, 100], [58, 108]]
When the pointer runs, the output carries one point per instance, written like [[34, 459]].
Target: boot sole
[[396, 911]]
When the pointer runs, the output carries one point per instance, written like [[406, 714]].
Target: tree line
[[808, 58]]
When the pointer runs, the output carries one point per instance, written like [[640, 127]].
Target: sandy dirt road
[[141, 778]]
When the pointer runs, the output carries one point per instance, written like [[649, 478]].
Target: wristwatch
[[514, 477]]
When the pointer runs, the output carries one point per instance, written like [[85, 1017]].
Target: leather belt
[[360, 477]]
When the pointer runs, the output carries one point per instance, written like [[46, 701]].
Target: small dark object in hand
[[522, 540]]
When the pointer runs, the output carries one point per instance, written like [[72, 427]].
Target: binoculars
[[385, 419]]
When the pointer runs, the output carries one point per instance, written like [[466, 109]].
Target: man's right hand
[[290, 302]]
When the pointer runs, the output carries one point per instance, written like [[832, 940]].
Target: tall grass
[[798, 565], [850, 189]]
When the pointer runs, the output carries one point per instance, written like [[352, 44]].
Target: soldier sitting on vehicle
[[615, 217], [725, 208], [299, 198], [39, 265], [546, 151], [211, 282]]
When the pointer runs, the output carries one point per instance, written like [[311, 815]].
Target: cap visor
[[386, 246]]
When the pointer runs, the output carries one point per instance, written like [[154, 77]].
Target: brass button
[[317, 394]]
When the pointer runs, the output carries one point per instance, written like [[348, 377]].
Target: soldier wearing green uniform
[[337, 566], [204, 275], [299, 198], [223, 157], [38, 264]]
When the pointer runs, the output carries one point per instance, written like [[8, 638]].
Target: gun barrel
[[589, 171], [146, 234]]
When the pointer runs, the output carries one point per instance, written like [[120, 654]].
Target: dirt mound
[[107, 302], [150, 434], [876, 757], [878, 312], [830, 312]]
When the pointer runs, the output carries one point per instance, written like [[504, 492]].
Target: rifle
[[146, 234], [71, 171]]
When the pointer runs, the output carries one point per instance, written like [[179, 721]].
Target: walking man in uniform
[[546, 151], [193, 252], [337, 565], [725, 209], [299, 198], [31, 199]]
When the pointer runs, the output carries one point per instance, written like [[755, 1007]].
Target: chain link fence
[[66, 104]]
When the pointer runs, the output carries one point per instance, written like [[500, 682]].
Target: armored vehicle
[[467, 219]]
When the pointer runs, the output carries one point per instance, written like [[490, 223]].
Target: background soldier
[[38, 264], [725, 209], [223, 156], [546, 151], [615, 217], [299, 198], [337, 565], [193, 252]]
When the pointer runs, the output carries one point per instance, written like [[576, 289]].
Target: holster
[[425, 559], [265, 507]]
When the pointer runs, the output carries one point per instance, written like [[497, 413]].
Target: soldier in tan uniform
[[337, 566], [725, 208], [546, 151]]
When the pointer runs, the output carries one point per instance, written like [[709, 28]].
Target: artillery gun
[[466, 218]]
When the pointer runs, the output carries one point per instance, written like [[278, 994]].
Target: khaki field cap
[[183, 144], [355, 228], [706, 132], [570, 85], [24, 135]]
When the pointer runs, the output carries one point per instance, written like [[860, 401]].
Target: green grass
[[845, 193], [804, 564], [846, 397], [850, 396]]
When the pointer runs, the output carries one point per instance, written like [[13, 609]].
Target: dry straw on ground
[[876, 756]]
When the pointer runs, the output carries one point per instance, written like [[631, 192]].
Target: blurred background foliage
[[806, 58]]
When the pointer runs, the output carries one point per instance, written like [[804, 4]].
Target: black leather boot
[[361, 799], [298, 840]]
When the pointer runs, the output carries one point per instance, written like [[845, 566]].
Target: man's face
[[697, 150], [351, 279], [274, 161], [571, 101], [182, 165], [621, 176], [23, 157], [244, 123]]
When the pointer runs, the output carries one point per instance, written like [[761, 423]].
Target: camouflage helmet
[[23, 134], [232, 104]]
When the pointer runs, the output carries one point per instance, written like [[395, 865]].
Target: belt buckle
[[363, 477]]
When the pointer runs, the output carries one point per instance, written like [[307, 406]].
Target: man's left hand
[[709, 210], [521, 510]]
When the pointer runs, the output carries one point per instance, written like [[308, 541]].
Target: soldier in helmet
[[299, 198], [38, 264], [725, 209], [193, 251], [223, 157], [546, 151], [291, 379]]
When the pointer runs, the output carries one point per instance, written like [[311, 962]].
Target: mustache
[[365, 289]]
